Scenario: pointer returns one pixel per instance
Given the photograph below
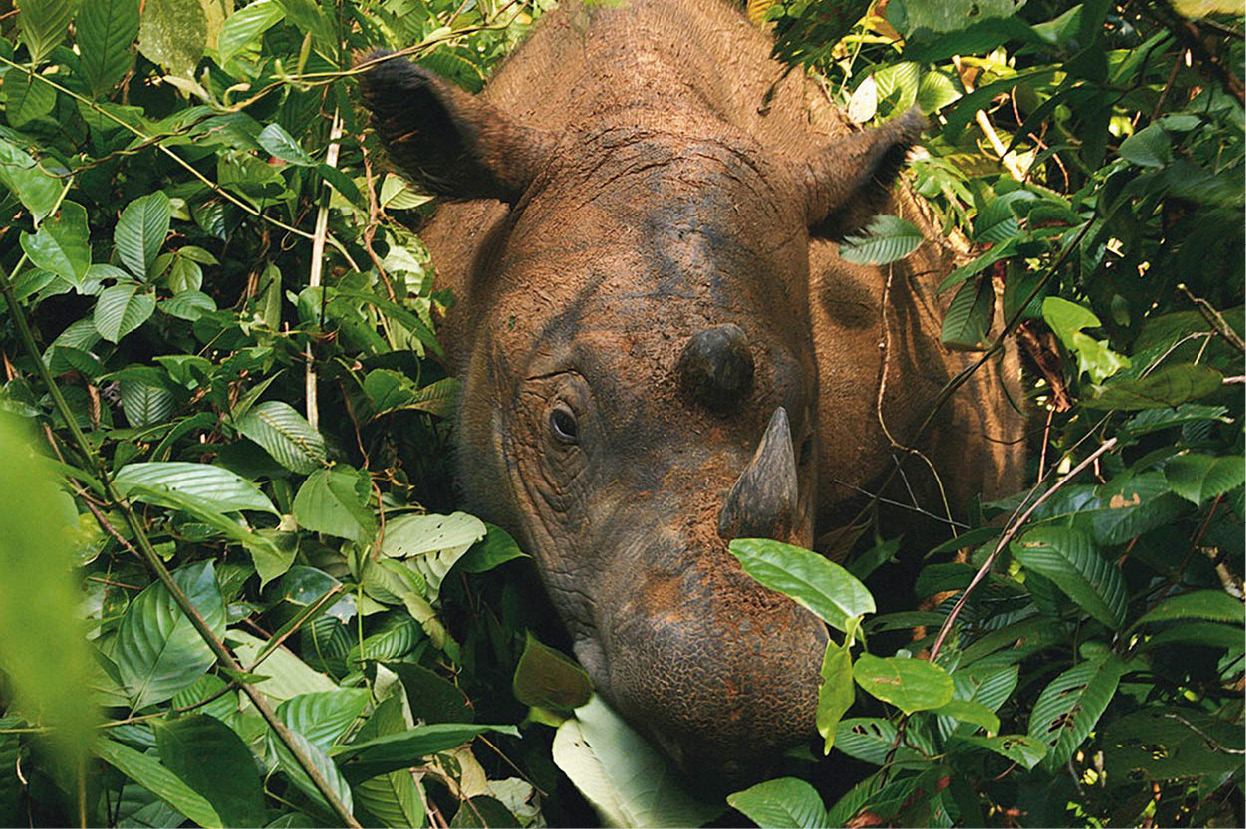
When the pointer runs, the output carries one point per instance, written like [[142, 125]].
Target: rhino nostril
[[715, 367]]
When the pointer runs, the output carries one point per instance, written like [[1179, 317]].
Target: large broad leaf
[[173, 34], [837, 692], [973, 713], [393, 798], [432, 543], [145, 404], [1068, 708], [158, 652], [122, 308], [213, 486], [1069, 558], [497, 547], [997, 222], [403, 750], [105, 33], [37, 190], [986, 683], [885, 239], [1199, 478], [330, 501], [286, 435], [785, 802], [29, 97], [280, 144], [44, 24], [1133, 504], [908, 684], [1164, 388], [1148, 147], [1214, 605], [323, 764], [214, 761], [324, 716], [244, 27], [164, 784], [829, 591], [1027, 751], [624, 777], [43, 647], [62, 244], [877, 741], [1168, 742], [141, 230], [431, 698], [287, 675], [969, 316], [549, 679]]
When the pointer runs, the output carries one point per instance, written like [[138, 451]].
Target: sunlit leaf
[[908, 684], [784, 802], [814, 582], [885, 239], [1071, 704], [285, 435]]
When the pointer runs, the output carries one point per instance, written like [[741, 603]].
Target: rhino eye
[[562, 424]]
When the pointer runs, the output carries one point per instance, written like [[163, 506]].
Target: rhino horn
[[763, 501], [715, 367]]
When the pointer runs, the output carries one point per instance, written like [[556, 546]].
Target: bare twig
[[1014, 527], [317, 266]]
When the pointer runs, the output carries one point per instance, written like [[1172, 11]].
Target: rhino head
[[639, 388]]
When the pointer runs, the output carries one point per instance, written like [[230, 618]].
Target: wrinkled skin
[[660, 350]]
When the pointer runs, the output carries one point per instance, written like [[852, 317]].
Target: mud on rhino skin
[[660, 350]]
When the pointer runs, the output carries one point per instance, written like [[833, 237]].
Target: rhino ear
[[445, 140], [849, 180]]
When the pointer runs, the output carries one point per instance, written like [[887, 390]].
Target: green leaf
[[393, 798], [1067, 319], [172, 34], [285, 435], [885, 239], [1133, 504], [188, 305], [1027, 751], [212, 760], [43, 24], [158, 652], [1205, 634], [323, 763], [1148, 147], [978, 265], [164, 784], [213, 486], [244, 27], [323, 717], [121, 309], [876, 741], [1170, 742], [969, 316], [43, 647], [62, 244], [1164, 388], [29, 97], [280, 144], [546, 678], [1154, 420], [430, 697], [37, 190], [145, 404], [105, 34], [837, 693], [974, 713], [783, 803], [827, 590], [496, 548], [997, 222], [329, 502], [908, 684], [141, 230], [288, 676], [1199, 478], [1213, 605], [625, 778], [399, 751], [184, 275], [1068, 708], [1068, 557], [432, 543]]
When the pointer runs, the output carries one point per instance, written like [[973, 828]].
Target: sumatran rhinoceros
[[660, 350]]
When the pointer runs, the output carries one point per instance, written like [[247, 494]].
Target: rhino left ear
[[447, 141], [848, 181]]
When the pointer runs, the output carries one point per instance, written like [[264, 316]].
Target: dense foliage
[[224, 442]]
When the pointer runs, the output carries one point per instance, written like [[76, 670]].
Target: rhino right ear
[[447, 141], [848, 182]]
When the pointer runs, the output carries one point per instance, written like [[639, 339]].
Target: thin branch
[[1009, 534], [317, 267]]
